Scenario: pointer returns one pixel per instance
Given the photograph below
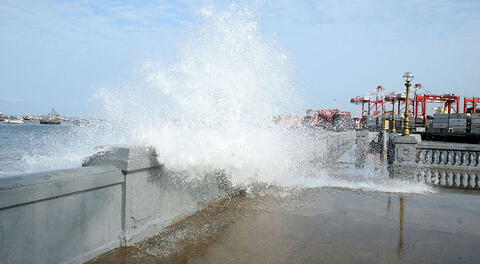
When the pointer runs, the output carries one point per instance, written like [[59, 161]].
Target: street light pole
[[394, 128], [384, 118], [408, 77]]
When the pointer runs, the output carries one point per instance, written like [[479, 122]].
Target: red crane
[[450, 101], [475, 101], [373, 102]]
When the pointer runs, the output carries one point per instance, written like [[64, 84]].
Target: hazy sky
[[57, 53]]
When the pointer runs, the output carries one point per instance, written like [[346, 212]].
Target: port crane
[[449, 101], [474, 101], [373, 102]]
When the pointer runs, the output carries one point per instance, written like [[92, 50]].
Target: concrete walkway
[[320, 226]]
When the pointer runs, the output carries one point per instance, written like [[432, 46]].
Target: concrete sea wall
[[119, 197]]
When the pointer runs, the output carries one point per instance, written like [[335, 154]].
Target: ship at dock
[[10, 119], [53, 118]]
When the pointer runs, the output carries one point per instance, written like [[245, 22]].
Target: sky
[[58, 53]]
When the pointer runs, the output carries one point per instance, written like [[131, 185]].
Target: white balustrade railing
[[453, 179], [454, 165], [448, 157]]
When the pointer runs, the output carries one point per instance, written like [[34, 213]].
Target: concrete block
[[157, 197], [28, 188], [65, 216], [406, 171], [405, 149], [113, 156], [120, 196], [153, 195], [124, 158], [362, 141], [417, 137]]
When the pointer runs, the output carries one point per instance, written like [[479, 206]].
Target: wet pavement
[[320, 226]]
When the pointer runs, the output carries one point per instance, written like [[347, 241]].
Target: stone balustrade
[[453, 165], [448, 154], [449, 178]]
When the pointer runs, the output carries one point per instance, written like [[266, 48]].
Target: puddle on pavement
[[320, 226]]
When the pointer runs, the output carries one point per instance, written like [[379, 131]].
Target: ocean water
[[32, 147]]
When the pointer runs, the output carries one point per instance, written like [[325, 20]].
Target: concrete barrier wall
[[338, 143], [154, 195], [120, 196], [60, 216]]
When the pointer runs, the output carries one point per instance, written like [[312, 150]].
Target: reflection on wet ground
[[320, 226]]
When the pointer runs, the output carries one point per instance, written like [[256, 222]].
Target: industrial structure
[[379, 111], [474, 102], [372, 103]]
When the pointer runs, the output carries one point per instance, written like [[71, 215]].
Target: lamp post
[[394, 126], [408, 77], [384, 121]]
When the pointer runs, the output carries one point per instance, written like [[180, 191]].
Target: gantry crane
[[475, 101], [371, 103]]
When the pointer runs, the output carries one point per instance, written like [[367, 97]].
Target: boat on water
[[50, 121], [13, 121], [53, 118]]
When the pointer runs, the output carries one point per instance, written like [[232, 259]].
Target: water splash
[[44, 147], [213, 110]]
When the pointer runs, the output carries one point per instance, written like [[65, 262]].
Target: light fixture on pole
[[394, 128], [408, 77]]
